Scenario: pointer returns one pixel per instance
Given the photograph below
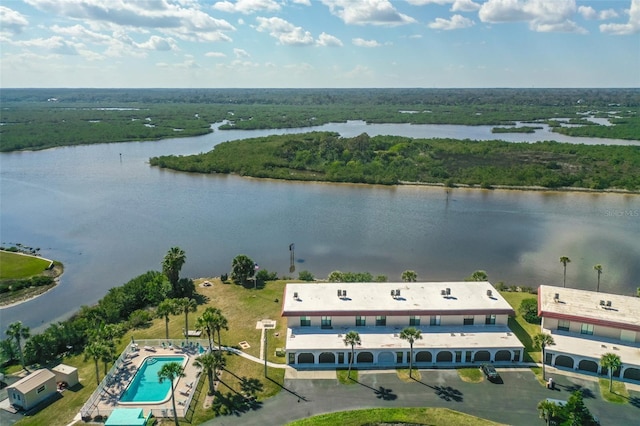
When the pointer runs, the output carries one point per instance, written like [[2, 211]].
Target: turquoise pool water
[[145, 387]]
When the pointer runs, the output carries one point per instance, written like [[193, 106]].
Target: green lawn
[[18, 266], [415, 416], [470, 375], [522, 329], [619, 394]]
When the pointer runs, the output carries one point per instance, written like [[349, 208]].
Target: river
[[109, 216]]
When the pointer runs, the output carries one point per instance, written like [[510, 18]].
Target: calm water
[[145, 386], [110, 217]]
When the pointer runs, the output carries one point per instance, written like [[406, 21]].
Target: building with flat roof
[[586, 324], [461, 323]]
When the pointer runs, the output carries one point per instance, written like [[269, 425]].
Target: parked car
[[491, 373]]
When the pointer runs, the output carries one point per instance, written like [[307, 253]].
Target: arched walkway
[[482, 356], [364, 357], [564, 361], [327, 358], [632, 373], [503, 355], [386, 358], [444, 356], [588, 365], [306, 358], [423, 356]]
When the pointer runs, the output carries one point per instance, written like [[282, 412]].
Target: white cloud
[[631, 27], [158, 43], [241, 53], [302, 2], [588, 12], [367, 12], [456, 5], [542, 15], [455, 23], [78, 32], [247, 7], [360, 42], [215, 55], [55, 44], [328, 40], [12, 21], [284, 31], [180, 18]]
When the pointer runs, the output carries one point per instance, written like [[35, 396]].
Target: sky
[[319, 43]]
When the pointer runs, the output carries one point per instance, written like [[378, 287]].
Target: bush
[[306, 276], [529, 310], [264, 275], [139, 318]]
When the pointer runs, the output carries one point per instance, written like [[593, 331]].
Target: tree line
[[325, 156]]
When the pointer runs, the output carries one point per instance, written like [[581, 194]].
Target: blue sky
[[319, 43]]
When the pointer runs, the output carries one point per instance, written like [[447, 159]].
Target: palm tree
[[219, 323], [205, 322], [409, 276], [172, 264], [611, 362], [171, 371], [108, 354], [17, 332], [548, 409], [352, 338], [541, 341], [95, 350], [165, 308], [410, 334], [564, 260], [598, 269], [210, 363], [187, 305]]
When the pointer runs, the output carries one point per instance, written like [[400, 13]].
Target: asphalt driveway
[[512, 402]]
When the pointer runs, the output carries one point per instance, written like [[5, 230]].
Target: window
[[468, 320], [325, 322], [414, 320], [490, 319], [381, 320], [41, 389], [587, 329], [305, 321], [434, 320], [361, 321], [563, 325]]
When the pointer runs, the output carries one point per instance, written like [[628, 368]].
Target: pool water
[[145, 386]]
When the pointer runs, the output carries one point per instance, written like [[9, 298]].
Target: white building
[[31, 390], [461, 323], [586, 324]]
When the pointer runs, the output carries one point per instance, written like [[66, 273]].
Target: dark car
[[490, 372]]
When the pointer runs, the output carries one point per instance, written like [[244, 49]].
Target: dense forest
[[325, 156], [44, 118]]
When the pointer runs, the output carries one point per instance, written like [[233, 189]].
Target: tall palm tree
[[172, 264], [171, 371], [541, 341], [187, 305], [209, 363], [205, 322], [95, 350], [165, 308], [17, 332], [611, 362], [219, 323], [548, 410], [108, 354], [598, 269], [410, 334], [564, 260], [352, 338]]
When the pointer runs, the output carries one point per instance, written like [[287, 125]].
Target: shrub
[[139, 318], [529, 311], [305, 276]]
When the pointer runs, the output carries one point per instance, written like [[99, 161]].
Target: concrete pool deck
[[122, 376]]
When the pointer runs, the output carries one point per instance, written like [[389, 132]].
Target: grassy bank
[[23, 277], [18, 266]]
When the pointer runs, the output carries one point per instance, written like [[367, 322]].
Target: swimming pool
[[145, 386]]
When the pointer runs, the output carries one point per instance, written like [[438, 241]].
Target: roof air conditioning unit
[[344, 293], [398, 293], [602, 303], [295, 295], [393, 293], [448, 291], [489, 293], [556, 297], [443, 292], [339, 293], [608, 303]]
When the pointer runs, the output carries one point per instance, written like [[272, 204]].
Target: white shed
[[66, 373], [29, 391]]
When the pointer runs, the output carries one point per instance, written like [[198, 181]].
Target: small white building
[[587, 324], [461, 323], [29, 391], [66, 373]]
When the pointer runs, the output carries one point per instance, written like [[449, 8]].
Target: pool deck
[[118, 382]]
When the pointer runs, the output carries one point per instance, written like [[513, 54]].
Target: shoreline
[[30, 296]]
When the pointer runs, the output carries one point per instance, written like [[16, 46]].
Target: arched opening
[[306, 358], [484, 356], [423, 356], [386, 358], [632, 373], [564, 361], [327, 358], [444, 356], [588, 365], [503, 355], [364, 357]]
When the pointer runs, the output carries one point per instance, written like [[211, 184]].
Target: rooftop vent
[[393, 293], [398, 293], [556, 297], [448, 291], [443, 292], [295, 295], [489, 293], [602, 303], [339, 293], [608, 303]]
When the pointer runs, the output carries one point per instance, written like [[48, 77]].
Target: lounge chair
[[190, 384], [185, 392], [149, 348], [182, 402]]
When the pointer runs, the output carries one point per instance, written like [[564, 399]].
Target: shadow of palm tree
[[448, 393], [381, 392], [300, 397], [586, 393], [229, 403]]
